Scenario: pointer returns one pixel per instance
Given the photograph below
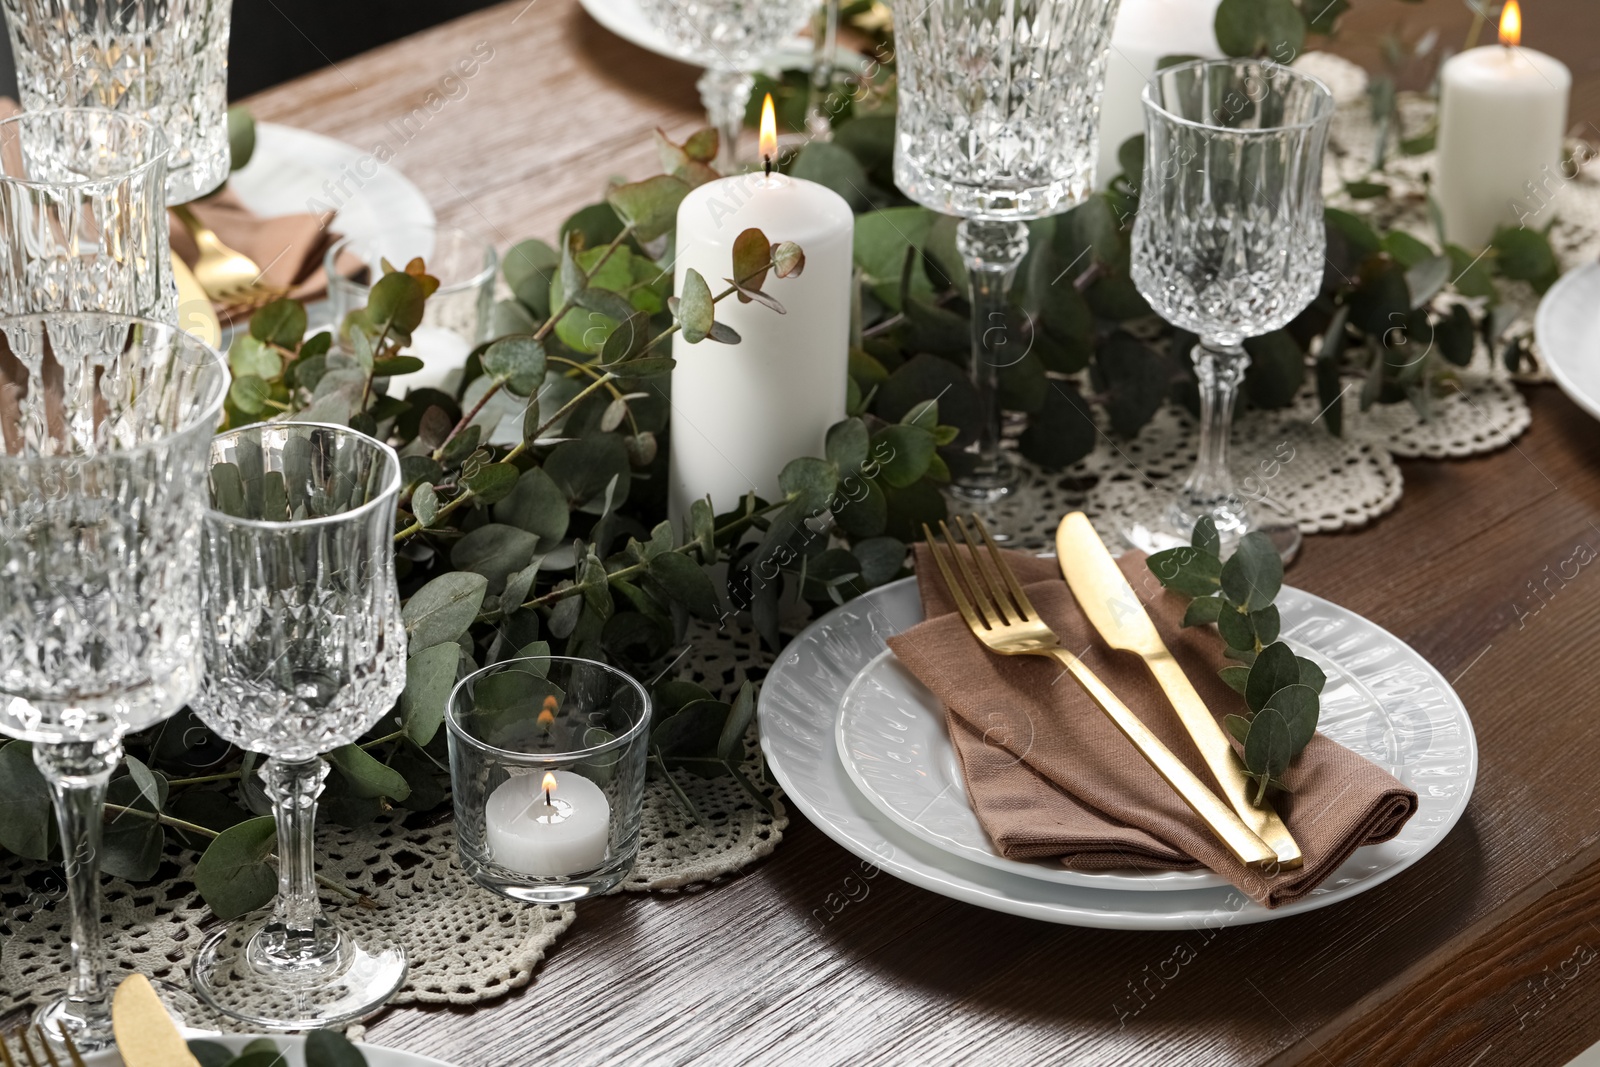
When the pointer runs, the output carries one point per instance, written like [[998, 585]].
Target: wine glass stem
[[297, 930], [824, 40], [78, 772], [1220, 369], [992, 251], [725, 94]]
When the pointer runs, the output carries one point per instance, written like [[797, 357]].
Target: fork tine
[[5, 1053], [977, 582], [27, 1049], [995, 587], [72, 1047], [1018, 596], [951, 582], [43, 1041]]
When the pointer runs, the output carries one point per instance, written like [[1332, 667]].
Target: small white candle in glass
[[1502, 115], [550, 826]]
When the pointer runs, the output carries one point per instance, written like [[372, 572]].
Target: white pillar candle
[[1146, 31], [1502, 115], [567, 835], [741, 412]]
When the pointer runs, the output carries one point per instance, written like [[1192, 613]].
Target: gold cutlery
[[1009, 626], [1111, 606], [146, 1035], [34, 1037], [231, 279]]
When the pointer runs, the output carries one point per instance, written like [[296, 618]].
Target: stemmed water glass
[[104, 422], [166, 62], [729, 38], [82, 213], [1228, 244], [998, 122], [304, 652]]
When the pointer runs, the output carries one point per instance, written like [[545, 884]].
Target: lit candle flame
[[549, 785], [547, 714], [769, 133], [1511, 24]]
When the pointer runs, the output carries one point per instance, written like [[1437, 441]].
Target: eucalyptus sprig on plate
[[324, 1048], [1281, 689]]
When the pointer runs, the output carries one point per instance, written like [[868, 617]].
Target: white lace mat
[[466, 944]]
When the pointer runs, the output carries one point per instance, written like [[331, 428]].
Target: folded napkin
[[1049, 775], [288, 248]]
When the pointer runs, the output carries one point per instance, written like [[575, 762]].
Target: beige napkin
[[1050, 776], [289, 249]]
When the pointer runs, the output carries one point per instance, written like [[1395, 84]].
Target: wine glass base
[[1234, 519], [353, 978], [88, 1035]]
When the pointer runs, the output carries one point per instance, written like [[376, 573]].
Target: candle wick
[[547, 798], [766, 162]]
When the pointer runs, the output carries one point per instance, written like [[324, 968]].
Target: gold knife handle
[[1240, 840], [1224, 762]]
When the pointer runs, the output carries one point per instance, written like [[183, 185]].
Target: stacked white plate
[[1568, 331], [860, 746]]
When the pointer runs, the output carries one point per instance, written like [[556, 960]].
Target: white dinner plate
[[296, 171], [294, 1051], [896, 747], [1413, 725], [1568, 331]]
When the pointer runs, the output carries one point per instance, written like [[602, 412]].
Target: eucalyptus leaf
[[28, 828], [536, 505], [1273, 669], [233, 875], [365, 776], [443, 609], [695, 311], [1254, 573]]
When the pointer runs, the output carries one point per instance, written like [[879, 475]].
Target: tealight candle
[[741, 412], [1502, 114], [1146, 31], [548, 827]]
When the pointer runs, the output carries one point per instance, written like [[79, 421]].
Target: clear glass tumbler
[[999, 114], [83, 222], [458, 316], [166, 62], [1228, 244], [547, 764], [304, 652], [104, 422]]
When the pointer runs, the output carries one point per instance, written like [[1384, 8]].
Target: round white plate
[[896, 747], [627, 20], [296, 171], [293, 1049], [1422, 734], [1568, 331]]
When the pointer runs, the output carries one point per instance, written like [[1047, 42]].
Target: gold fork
[[230, 278], [1008, 625], [34, 1035]]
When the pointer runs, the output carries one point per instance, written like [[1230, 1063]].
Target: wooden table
[[1487, 953]]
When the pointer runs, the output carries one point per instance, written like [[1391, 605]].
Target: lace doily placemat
[[467, 945]]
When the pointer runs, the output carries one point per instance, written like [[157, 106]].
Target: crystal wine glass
[[82, 214], [998, 123], [104, 423], [729, 38], [1228, 244], [167, 62], [304, 652]]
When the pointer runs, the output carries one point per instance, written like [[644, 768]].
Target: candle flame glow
[[1511, 24], [549, 784], [769, 131]]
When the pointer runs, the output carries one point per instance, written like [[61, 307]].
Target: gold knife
[[146, 1036], [1111, 606]]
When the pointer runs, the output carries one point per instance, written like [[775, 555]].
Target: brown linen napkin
[[1049, 775], [288, 248]]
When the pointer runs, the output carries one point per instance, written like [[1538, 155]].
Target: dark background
[[275, 40]]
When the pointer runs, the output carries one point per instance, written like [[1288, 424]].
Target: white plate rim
[[386, 1057], [1571, 286], [877, 841]]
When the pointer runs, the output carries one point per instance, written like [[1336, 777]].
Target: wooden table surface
[[1487, 953]]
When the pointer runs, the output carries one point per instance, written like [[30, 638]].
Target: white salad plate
[[1567, 329], [293, 1049], [627, 20], [295, 171], [835, 683]]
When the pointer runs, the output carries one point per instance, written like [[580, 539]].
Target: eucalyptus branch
[[568, 302]]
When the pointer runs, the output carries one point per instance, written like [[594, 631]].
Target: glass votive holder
[[547, 764], [457, 317]]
